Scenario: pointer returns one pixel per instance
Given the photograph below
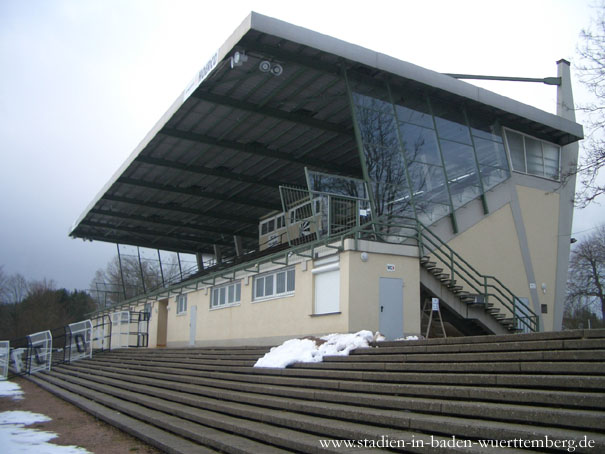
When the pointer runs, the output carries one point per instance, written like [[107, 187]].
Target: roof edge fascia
[[353, 52], [409, 70], [221, 53]]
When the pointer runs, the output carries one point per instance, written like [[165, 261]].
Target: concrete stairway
[[487, 317], [400, 396]]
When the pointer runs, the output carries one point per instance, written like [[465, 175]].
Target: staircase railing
[[402, 230], [490, 287]]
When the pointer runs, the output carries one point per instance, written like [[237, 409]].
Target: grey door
[[390, 306]]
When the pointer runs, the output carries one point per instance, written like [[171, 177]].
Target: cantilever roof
[[210, 168]]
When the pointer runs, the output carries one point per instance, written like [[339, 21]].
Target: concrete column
[[569, 161]]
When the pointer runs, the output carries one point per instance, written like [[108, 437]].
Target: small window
[[533, 156], [281, 221], [181, 304], [148, 310], [226, 295], [274, 284]]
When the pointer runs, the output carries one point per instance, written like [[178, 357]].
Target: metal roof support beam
[[179, 209], [218, 254], [161, 269], [163, 245], [156, 234], [294, 117], [132, 217], [545, 80], [226, 174], [239, 250], [200, 261], [202, 193], [254, 149], [178, 258], [141, 269], [121, 272]]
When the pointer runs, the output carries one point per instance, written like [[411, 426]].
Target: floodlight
[[265, 66], [277, 69], [238, 59]]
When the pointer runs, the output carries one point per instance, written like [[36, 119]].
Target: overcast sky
[[83, 81]]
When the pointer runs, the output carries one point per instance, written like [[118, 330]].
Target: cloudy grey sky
[[82, 82]]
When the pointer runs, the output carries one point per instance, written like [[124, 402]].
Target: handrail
[[459, 268], [521, 314]]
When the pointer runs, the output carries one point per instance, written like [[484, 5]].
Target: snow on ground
[[308, 351], [9, 389], [17, 439], [408, 338], [312, 350]]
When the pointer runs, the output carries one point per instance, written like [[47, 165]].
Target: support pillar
[[218, 255], [239, 250], [200, 261], [569, 163], [121, 272]]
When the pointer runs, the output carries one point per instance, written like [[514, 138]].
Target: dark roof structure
[[270, 102]]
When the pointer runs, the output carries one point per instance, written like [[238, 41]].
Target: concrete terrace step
[[193, 352], [222, 441], [229, 416], [192, 422], [381, 396], [526, 387], [416, 347], [551, 335], [356, 408], [302, 376], [349, 363], [158, 438], [536, 355]]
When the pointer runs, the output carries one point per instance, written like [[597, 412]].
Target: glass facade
[[424, 157]]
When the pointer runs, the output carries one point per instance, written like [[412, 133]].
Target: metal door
[[390, 306]]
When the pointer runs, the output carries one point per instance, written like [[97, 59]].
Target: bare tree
[[585, 288], [591, 71], [3, 278], [15, 289], [128, 277]]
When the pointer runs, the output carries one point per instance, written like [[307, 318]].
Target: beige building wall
[[271, 321], [492, 247], [540, 211], [363, 288], [265, 321]]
